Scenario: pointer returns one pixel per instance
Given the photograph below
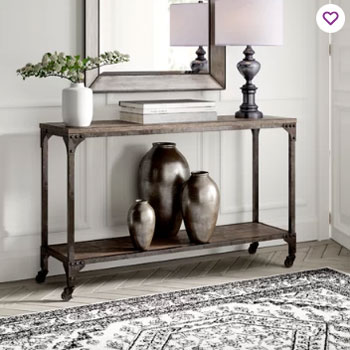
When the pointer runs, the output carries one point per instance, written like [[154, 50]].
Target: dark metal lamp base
[[249, 68], [200, 64], [249, 114]]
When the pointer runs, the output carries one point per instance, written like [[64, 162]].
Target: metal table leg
[[71, 266], [291, 237], [254, 246], [44, 143]]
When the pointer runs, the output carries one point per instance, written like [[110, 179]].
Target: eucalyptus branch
[[69, 67]]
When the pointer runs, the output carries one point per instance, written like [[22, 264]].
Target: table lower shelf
[[122, 248]]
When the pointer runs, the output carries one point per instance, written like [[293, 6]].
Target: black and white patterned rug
[[301, 311]]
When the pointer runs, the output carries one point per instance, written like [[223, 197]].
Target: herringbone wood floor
[[97, 286]]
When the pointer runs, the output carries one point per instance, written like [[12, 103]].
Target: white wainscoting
[[106, 168]]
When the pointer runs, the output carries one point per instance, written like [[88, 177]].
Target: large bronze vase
[[200, 206], [162, 173]]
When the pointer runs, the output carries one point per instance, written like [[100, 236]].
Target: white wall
[[106, 167]]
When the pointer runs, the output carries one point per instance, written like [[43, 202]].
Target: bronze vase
[[162, 173], [141, 223], [200, 206]]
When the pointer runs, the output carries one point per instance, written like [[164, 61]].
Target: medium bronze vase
[[162, 173], [200, 207], [141, 223]]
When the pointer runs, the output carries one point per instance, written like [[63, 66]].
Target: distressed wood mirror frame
[[151, 81]]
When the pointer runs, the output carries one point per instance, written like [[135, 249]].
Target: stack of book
[[167, 111]]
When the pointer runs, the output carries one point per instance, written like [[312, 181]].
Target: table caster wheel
[[67, 294], [41, 276], [289, 261], [253, 248]]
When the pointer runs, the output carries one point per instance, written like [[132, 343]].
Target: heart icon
[[331, 17]]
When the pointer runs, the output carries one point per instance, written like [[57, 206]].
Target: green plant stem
[[60, 76]]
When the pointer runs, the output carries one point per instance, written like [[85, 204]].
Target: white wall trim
[[341, 238], [33, 104], [246, 208], [323, 125]]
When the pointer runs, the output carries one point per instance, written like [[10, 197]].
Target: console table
[[75, 255]]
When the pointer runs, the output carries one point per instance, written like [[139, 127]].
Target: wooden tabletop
[[121, 128]]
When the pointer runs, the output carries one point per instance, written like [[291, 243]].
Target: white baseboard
[[341, 238]]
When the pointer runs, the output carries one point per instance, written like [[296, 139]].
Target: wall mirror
[[144, 29]]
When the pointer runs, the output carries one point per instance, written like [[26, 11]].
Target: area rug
[[307, 310]]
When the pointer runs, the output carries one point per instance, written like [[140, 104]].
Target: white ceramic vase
[[77, 105]]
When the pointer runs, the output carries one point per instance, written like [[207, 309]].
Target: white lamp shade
[[248, 22], [189, 24]]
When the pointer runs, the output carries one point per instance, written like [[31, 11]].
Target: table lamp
[[247, 23], [189, 26]]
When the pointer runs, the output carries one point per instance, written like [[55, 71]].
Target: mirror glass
[[141, 28]]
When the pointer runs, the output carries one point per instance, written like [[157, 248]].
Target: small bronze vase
[[162, 173], [200, 206], [141, 223]]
